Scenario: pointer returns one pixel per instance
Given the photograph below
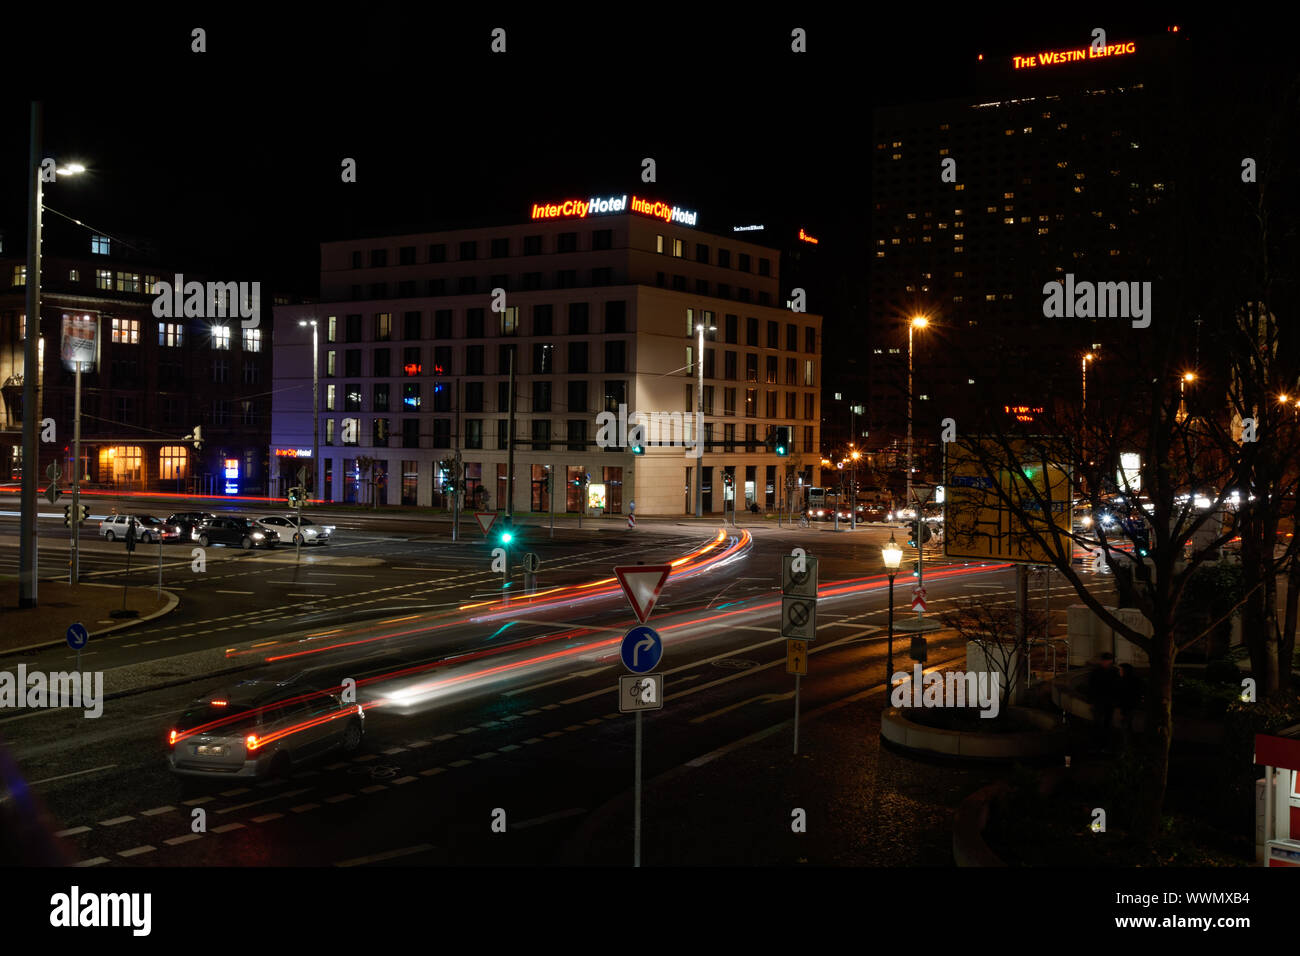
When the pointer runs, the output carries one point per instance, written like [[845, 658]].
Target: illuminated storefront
[[120, 465]]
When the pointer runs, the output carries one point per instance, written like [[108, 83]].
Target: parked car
[[148, 529], [289, 529], [186, 521], [262, 728], [232, 530]]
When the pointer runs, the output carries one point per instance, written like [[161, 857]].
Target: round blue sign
[[642, 649], [77, 636]]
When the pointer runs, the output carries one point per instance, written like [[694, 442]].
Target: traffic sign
[[801, 583], [531, 562], [53, 473], [796, 658], [642, 583], [77, 636], [52, 492], [799, 618], [642, 649], [918, 599], [645, 692], [485, 520]]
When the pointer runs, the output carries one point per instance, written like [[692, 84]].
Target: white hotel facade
[[601, 312]]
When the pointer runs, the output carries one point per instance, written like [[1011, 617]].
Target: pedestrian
[[1103, 693], [1130, 697]]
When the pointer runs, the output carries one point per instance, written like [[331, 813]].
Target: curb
[[172, 602]]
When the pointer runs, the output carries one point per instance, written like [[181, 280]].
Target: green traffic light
[[507, 537]]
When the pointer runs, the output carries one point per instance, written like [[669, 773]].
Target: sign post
[[641, 652], [77, 637], [798, 619]]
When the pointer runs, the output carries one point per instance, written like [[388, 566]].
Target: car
[[291, 527], [261, 728], [148, 529], [186, 521], [233, 530]]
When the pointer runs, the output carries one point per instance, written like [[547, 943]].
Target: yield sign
[[918, 599], [642, 583], [485, 520]]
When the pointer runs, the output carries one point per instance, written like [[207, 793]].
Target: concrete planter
[[1044, 737]]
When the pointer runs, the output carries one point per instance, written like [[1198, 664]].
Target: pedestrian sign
[[796, 658]]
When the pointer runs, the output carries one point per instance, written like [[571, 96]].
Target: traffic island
[[60, 605], [1020, 733]]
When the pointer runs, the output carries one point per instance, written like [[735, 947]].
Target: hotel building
[[600, 312]]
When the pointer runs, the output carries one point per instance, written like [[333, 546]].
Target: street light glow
[[920, 322], [71, 169], [892, 553]]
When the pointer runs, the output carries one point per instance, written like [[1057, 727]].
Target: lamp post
[[918, 322], [699, 422], [892, 554], [315, 404]]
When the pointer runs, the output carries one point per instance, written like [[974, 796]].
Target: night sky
[[230, 158]]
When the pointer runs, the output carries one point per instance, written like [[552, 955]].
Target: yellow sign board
[[980, 523], [796, 658]]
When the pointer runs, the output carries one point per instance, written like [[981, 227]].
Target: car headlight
[[258, 534]]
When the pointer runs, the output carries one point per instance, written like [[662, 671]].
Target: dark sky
[[231, 158]]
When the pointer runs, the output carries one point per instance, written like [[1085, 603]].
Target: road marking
[[444, 737], [253, 803], [136, 851], [155, 811], [304, 807], [234, 793], [559, 815], [227, 827], [374, 788], [394, 750], [487, 756], [188, 838], [558, 680], [232, 592], [764, 698], [554, 733], [509, 747], [64, 776], [387, 855], [467, 730], [95, 862], [115, 821], [533, 740], [267, 817], [72, 832], [417, 744], [401, 780], [461, 763], [431, 771]]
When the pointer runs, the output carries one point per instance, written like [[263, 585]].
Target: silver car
[[262, 728], [290, 528], [147, 528]]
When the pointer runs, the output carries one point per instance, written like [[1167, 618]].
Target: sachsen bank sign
[[613, 205]]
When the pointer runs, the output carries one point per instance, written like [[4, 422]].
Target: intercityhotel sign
[[595, 206], [1054, 57]]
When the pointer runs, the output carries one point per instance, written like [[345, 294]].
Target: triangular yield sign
[[642, 583], [485, 520]]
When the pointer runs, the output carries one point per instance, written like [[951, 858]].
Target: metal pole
[[699, 427], [908, 496], [297, 537], [160, 565], [889, 660], [510, 445], [796, 715], [27, 538], [315, 413], [636, 810], [76, 481], [550, 494], [853, 502]]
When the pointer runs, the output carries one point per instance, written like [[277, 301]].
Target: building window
[[247, 413], [541, 434], [171, 334], [352, 328], [172, 462], [659, 244], [751, 330], [473, 433], [701, 253], [329, 432], [729, 366], [474, 323], [678, 248], [566, 242], [577, 396], [577, 434], [128, 282], [808, 377], [352, 398], [473, 396], [469, 250], [252, 340], [379, 397], [500, 248], [103, 278], [810, 339], [616, 356], [20, 276], [352, 362], [724, 258], [543, 358], [252, 373], [541, 396], [411, 396], [383, 326], [474, 360], [442, 439], [578, 357], [770, 370], [410, 434], [532, 245], [615, 395], [438, 253], [510, 320], [127, 331], [751, 402], [331, 397], [615, 316], [99, 245]]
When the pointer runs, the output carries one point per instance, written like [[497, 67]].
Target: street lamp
[[315, 403], [1182, 395], [27, 534], [699, 423], [918, 322], [893, 554]]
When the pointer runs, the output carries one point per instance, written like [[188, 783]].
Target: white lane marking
[[460, 763], [136, 851], [401, 780], [232, 592], [431, 771], [339, 798], [72, 832], [558, 815], [64, 776], [155, 811], [374, 788], [95, 862], [761, 698], [387, 855], [267, 817], [188, 838], [558, 680], [115, 821], [227, 827]]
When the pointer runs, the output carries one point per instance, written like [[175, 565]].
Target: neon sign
[[747, 228], [292, 453], [412, 368], [1053, 57], [582, 208], [807, 238], [1023, 413]]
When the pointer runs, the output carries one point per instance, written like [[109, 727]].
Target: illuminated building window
[[911, 288], [104, 279], [943, 126], [119, 464], [99, 245], [1009, 220], [128, 282], [991, 297], [1062, 164], [1008, 195], [991, 209], [659, 244], [1009, 132], [126, 331], [894, 351], [331, 397], [1062, 125], [926, 238], [1080, 175], [1008, 207], [943, 225], [1078, 189], [959, 298], [897, 156], [958, 248], [911, 215], [1047, 116], [1042, 230], [1024, 218], [943, 152], [173, 462], [959, 236], [894, 242], [1027, 129], [171, 334], [221, 336], [1007, 296], [957, 212], [880, 254], [20, 275], [252, 340], [1114, 252], [959, 187]]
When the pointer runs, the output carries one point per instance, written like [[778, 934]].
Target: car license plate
[[215, 750]]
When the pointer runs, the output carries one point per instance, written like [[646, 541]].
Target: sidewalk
[[61, 604], [865, 805]]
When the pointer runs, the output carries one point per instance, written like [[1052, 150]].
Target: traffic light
[[85, 513], [913, 533], [783, 441], [728, 479], [506, 535], [771, 440], [67, 515], [296, 497]]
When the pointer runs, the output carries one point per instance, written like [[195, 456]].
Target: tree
[[996, 630]]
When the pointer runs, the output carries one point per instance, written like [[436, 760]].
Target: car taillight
[[172, 741], [250, 742]]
